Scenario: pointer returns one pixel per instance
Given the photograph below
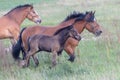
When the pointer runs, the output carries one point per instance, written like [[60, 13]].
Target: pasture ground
[[96, 58]]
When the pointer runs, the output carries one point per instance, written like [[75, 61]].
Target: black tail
[[28, 44], [18, 46]]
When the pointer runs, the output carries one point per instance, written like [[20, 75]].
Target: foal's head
[[73, 33], [68, 31]]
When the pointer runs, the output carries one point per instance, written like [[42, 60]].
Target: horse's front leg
[[35, 60], [70, 52], [70, 46], [27, 58], [54, 58], [9, 49], [13, 41]]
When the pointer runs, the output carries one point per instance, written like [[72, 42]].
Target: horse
[[85, 20], [54, 44], [10, 22]]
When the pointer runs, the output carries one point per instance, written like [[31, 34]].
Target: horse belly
[[45, 46], [5, 34]]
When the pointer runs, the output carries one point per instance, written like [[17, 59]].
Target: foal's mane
[[20, 6], [68, 27]]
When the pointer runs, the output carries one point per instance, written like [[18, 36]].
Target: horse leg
[[70, 52], [30, 53], [59, 53], [27, 61], [54, 57], [35, 60], [9, 49]]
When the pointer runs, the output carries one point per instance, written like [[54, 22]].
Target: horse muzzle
[[38, 21], [98, 33]]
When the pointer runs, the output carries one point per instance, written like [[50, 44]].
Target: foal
[[54, 44]]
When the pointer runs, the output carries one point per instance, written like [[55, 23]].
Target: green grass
[[95, 59]]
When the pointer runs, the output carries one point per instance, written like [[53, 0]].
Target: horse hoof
[[22, 64]]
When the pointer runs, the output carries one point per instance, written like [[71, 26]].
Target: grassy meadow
[[97, 58]]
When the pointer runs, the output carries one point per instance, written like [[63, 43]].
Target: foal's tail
[[18, 46]]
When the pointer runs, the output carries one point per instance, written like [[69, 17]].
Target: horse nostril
[[100, 31], [38, 21]]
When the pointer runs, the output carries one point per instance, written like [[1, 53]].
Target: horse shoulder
[[72, 42]]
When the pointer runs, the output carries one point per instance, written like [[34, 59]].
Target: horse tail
[[28, 44], [18, 46]]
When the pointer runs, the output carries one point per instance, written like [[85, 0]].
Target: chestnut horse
[[10, 22], [85, 21]]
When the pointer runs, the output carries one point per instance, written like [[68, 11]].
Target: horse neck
[[16, 16], [62, 37], [80, 26], [64, 24]]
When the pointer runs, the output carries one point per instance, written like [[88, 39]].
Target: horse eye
[[92, 27], [33, 12]]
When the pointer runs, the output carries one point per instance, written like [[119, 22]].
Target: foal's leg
[[35, 60], [30, 53], [27, 59], [54, 57]]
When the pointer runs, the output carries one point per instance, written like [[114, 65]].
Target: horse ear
[[31, 6], [94, 12], [87, 15]]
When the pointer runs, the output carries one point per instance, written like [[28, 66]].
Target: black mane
[[73, 15], [20, 6], [80, 16]]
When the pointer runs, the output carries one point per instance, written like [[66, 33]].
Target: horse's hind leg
[[35, 60]]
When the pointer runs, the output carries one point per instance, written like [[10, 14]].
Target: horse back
[[45, 43]]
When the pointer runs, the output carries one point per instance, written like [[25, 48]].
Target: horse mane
[[74, 14], [68, 27], [79, 15], [20, 6]]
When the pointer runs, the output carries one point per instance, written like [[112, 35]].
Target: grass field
[[96, 58]]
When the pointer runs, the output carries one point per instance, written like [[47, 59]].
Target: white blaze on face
[[94, 19], [36, 13], [37, 19]]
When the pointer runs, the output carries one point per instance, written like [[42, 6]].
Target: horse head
[[33, 15], [91, 23]]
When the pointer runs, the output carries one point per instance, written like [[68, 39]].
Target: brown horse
[[10, 22], [85, 21]]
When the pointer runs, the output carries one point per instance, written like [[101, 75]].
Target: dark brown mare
[[85, 21], [10, 22], [54, 44]]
